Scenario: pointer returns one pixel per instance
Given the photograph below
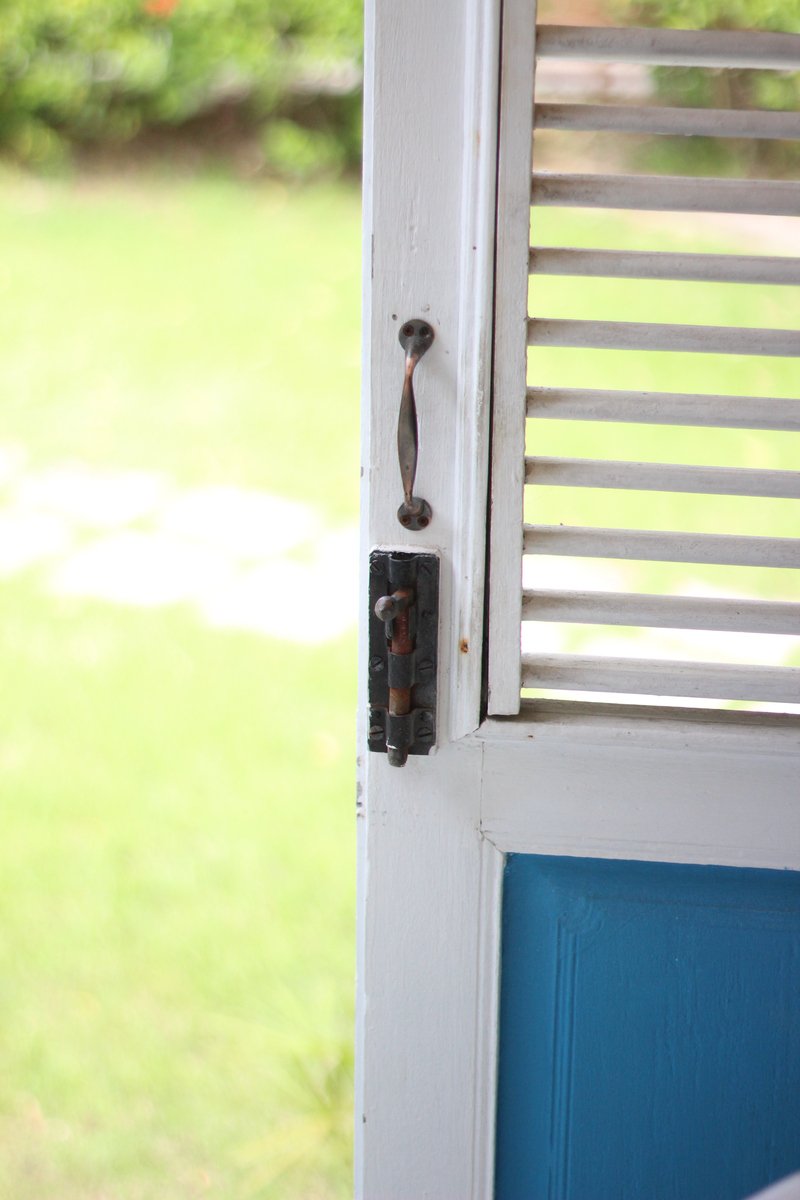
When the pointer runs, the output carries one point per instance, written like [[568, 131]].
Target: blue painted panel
[[649, 1030]]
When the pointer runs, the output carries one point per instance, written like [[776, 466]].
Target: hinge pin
[[403, 691]]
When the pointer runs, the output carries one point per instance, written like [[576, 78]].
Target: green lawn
[[177, 850]]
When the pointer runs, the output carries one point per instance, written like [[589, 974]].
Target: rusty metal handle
[[414, 513]]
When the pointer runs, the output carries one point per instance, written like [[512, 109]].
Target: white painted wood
[[668, 193], [672, 47], [510, 360], [648, 264], [665, 408], [660, 677], [656, 787], [692, 122], [608, 722], [488, 1012], [432, 836], [476, 311], [727, 549], [666, 612], [685, 339], [661, 477], [429, 226], [419, 1101]]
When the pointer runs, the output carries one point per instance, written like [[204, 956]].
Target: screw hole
[[408, 330], [423, 521]]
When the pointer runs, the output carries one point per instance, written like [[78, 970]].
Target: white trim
[[510, 354], [488, 1016], [429, 140], [430, 83], [419, 995], [652, 788], [475, 356]]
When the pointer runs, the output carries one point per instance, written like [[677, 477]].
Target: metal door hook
[[414, 513]]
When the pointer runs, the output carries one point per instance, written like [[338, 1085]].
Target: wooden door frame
[[424, 1082]]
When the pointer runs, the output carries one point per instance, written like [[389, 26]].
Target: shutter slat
[[661, 477], [665, 612], [647, 545], [667, 193], [656, 677], [671, 47], [664, 408], [677, 122], [645, 264], [686, 339]]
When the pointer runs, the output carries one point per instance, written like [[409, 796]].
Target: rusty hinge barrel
[[404, 603]]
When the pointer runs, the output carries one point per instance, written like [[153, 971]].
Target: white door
[[671, 800]]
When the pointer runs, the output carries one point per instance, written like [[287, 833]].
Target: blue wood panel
[[649, 1030]]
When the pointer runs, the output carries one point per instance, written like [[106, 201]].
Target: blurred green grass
[[198, 326], [177, 858]]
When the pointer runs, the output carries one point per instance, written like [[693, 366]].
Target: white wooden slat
[[661, 477], [664, 408], [657, 677], [680, 122], [647, 545], [683, 339], [664, 612], [510, 356], [667, 193], [647, 264], [671, 47]]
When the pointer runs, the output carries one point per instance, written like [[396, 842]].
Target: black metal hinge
[[403, 645]]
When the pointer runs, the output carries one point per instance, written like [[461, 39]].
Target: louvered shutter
[[527, 409]]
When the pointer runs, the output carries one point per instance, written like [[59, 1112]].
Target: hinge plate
[[390, 570]]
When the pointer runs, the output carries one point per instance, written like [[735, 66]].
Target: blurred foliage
[[94, 72], [734, 88]]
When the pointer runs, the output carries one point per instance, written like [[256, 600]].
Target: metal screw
[[376, 664], [425, 666]]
